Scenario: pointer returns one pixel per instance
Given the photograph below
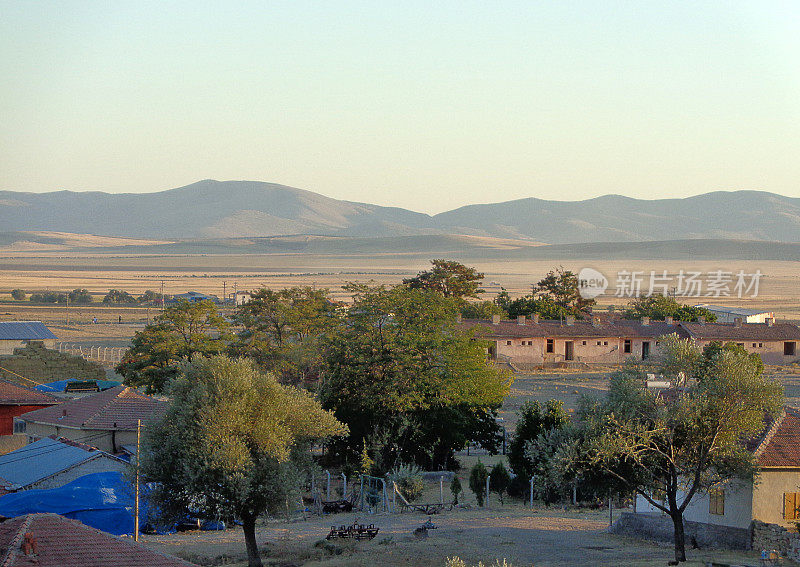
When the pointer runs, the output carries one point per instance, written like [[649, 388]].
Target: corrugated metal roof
[[733, 310], [39, 460], [24, 331]]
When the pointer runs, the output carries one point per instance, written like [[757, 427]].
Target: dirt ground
[[540, 537]]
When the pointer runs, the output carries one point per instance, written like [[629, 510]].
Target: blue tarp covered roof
[[39, 460], [102, 500], [24, 331], [60, 385]]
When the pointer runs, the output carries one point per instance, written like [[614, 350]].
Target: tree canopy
[[563, 288], [282, 331], [120, 297], [407, 381], [233, 444], [179, 335], [450, 278], [658, 307], [669, 446]]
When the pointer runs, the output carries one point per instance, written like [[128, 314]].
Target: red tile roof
[[582, 328], [745, 332], [779, 445], [13, 394], [114, 409], [55, 541]]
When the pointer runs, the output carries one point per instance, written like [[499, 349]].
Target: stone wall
[[41, 364], [774, 537], [659, 527]]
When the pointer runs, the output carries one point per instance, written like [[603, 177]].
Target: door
[[569, 350], [645, 349]]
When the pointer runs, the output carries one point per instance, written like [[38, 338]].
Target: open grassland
[[214, 273]]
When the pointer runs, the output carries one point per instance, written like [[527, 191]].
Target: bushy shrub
[[18, 294], [499, 480], [408, 479], [455, 488], [477, 481]]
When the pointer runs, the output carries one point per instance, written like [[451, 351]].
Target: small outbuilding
[[17, 334]]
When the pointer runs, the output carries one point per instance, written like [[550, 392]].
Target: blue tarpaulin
[[60, 385], [101, 500]]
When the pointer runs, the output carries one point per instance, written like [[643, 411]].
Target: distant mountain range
[[230, 209]]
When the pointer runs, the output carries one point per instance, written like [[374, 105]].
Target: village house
[[107, 420], [51, 463], [535, 341], [16, 399], [730, 314], [774, 498], [17, 334], [50, 540]]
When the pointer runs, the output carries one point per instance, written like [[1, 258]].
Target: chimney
[[737, 322], [645, 321], [458, 318], [495, 319], [29, 546], [701, 320], [770, 321], [595, 321], [669, 320], [535, 318], [520, 319], [570, 320]]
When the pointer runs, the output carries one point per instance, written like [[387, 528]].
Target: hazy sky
[[425, 107]]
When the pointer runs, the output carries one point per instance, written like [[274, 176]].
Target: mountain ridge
[[227, 209]]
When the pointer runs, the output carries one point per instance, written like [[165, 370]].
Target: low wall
[[658, 527], [775, 537]]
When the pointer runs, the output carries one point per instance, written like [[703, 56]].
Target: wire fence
[[93, 353]]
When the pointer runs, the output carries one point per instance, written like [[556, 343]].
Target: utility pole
[[138, 455], [224, 293], [162, 295], [68, 309]]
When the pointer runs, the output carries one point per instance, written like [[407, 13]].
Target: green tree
[[18, 294], [562, 287], [658, 307], [668, 447], [283, 331], [499, 479], [404, 377], [234, 443], [49, 297], [455, 489], [544, 305], [477, 482], [79, 296], [150, 297], [119, 297], [532, 421], [481, 310], [450, 278], [180, 334]]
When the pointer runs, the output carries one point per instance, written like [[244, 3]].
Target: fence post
[[441, 489], [328, 486], [487, 491], [344, 490], [531, 493]]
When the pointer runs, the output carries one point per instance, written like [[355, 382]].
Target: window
[[20, 426], [740, 344], [789, 348], [760, 345], [645, 350], [599, 343], [605, 343], [791, 503], [754, 345], [508, 343], [530, 343], [626, 347], [584, 343], [716, 501], [551, 347]]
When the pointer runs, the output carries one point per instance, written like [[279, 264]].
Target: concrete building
[[17, 334], [107, 419], [16, 400], [775, 496], [534, 341], [730, 314]]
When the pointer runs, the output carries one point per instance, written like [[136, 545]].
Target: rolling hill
[[211, 210]]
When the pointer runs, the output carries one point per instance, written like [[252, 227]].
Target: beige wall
[[609, 351], [103, 440], [771, 352], [768, 494]]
